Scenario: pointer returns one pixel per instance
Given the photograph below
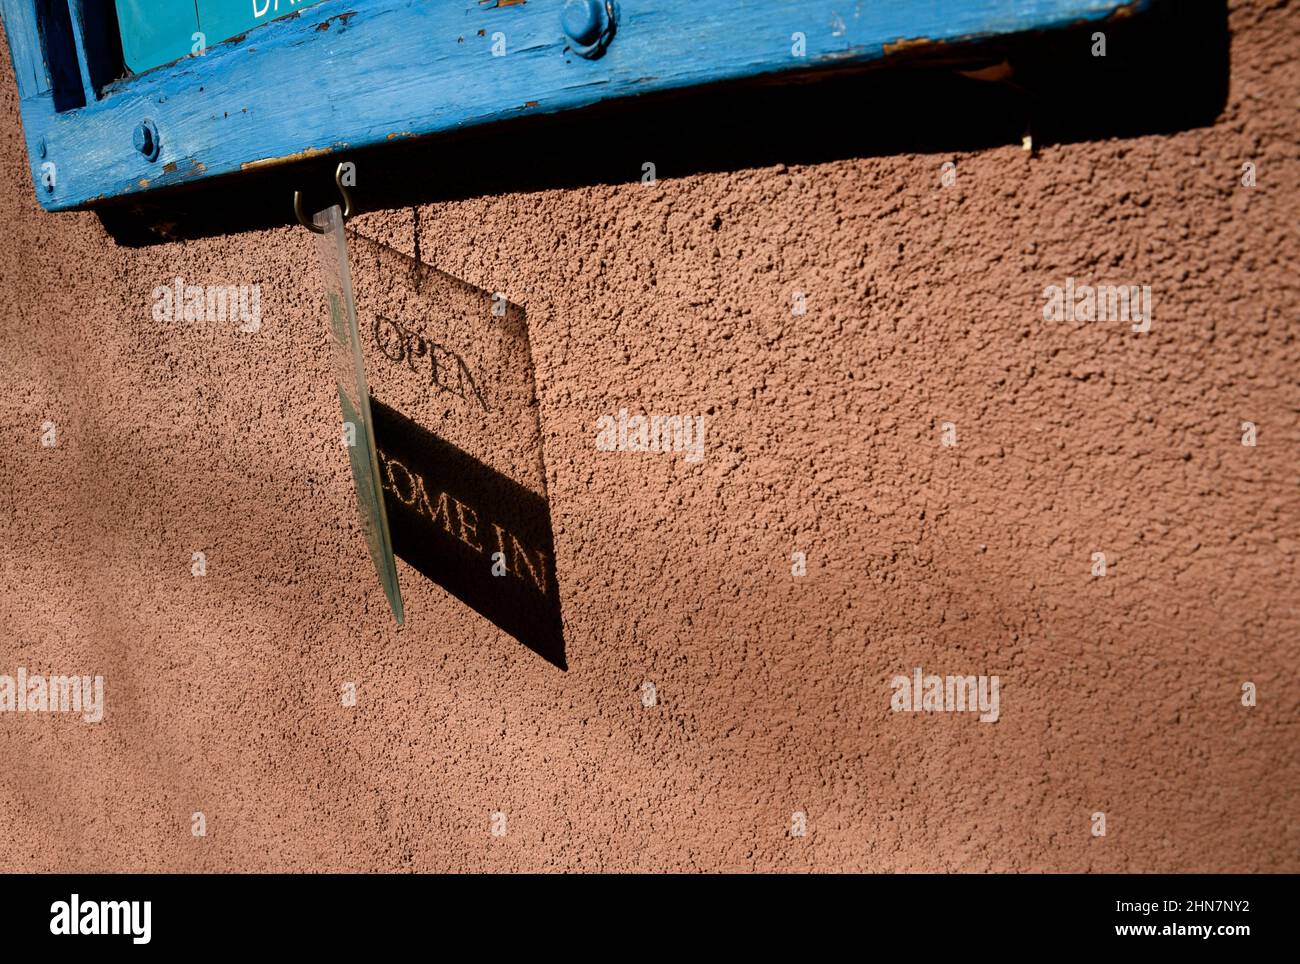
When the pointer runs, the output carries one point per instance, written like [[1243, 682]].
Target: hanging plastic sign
[[354, 399], [458, 431]]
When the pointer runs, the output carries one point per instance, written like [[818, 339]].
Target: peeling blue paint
[[336, 75]]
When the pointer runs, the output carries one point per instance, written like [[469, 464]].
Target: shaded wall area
[[1119, 694]]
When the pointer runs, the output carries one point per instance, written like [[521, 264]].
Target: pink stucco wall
[[1120, 694]]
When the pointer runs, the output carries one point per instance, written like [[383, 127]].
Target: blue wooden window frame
[[338, 76]]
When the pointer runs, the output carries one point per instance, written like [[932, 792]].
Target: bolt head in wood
[[583, 20], [589, 25], [145, 139]]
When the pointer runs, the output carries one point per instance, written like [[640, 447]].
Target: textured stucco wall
[[1119, 694]]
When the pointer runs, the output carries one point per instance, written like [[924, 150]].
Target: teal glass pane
[[156, 32], [223, 19]]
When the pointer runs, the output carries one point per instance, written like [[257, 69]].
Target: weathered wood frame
[[340, 76]]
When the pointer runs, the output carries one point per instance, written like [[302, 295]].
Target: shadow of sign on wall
[[454, 400]]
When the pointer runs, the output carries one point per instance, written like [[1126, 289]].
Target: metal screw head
[[583, 20], [145, 139]]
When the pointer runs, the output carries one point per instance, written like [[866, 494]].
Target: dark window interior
[[103, 48]]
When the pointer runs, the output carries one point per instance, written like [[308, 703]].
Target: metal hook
[[347, 203]]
